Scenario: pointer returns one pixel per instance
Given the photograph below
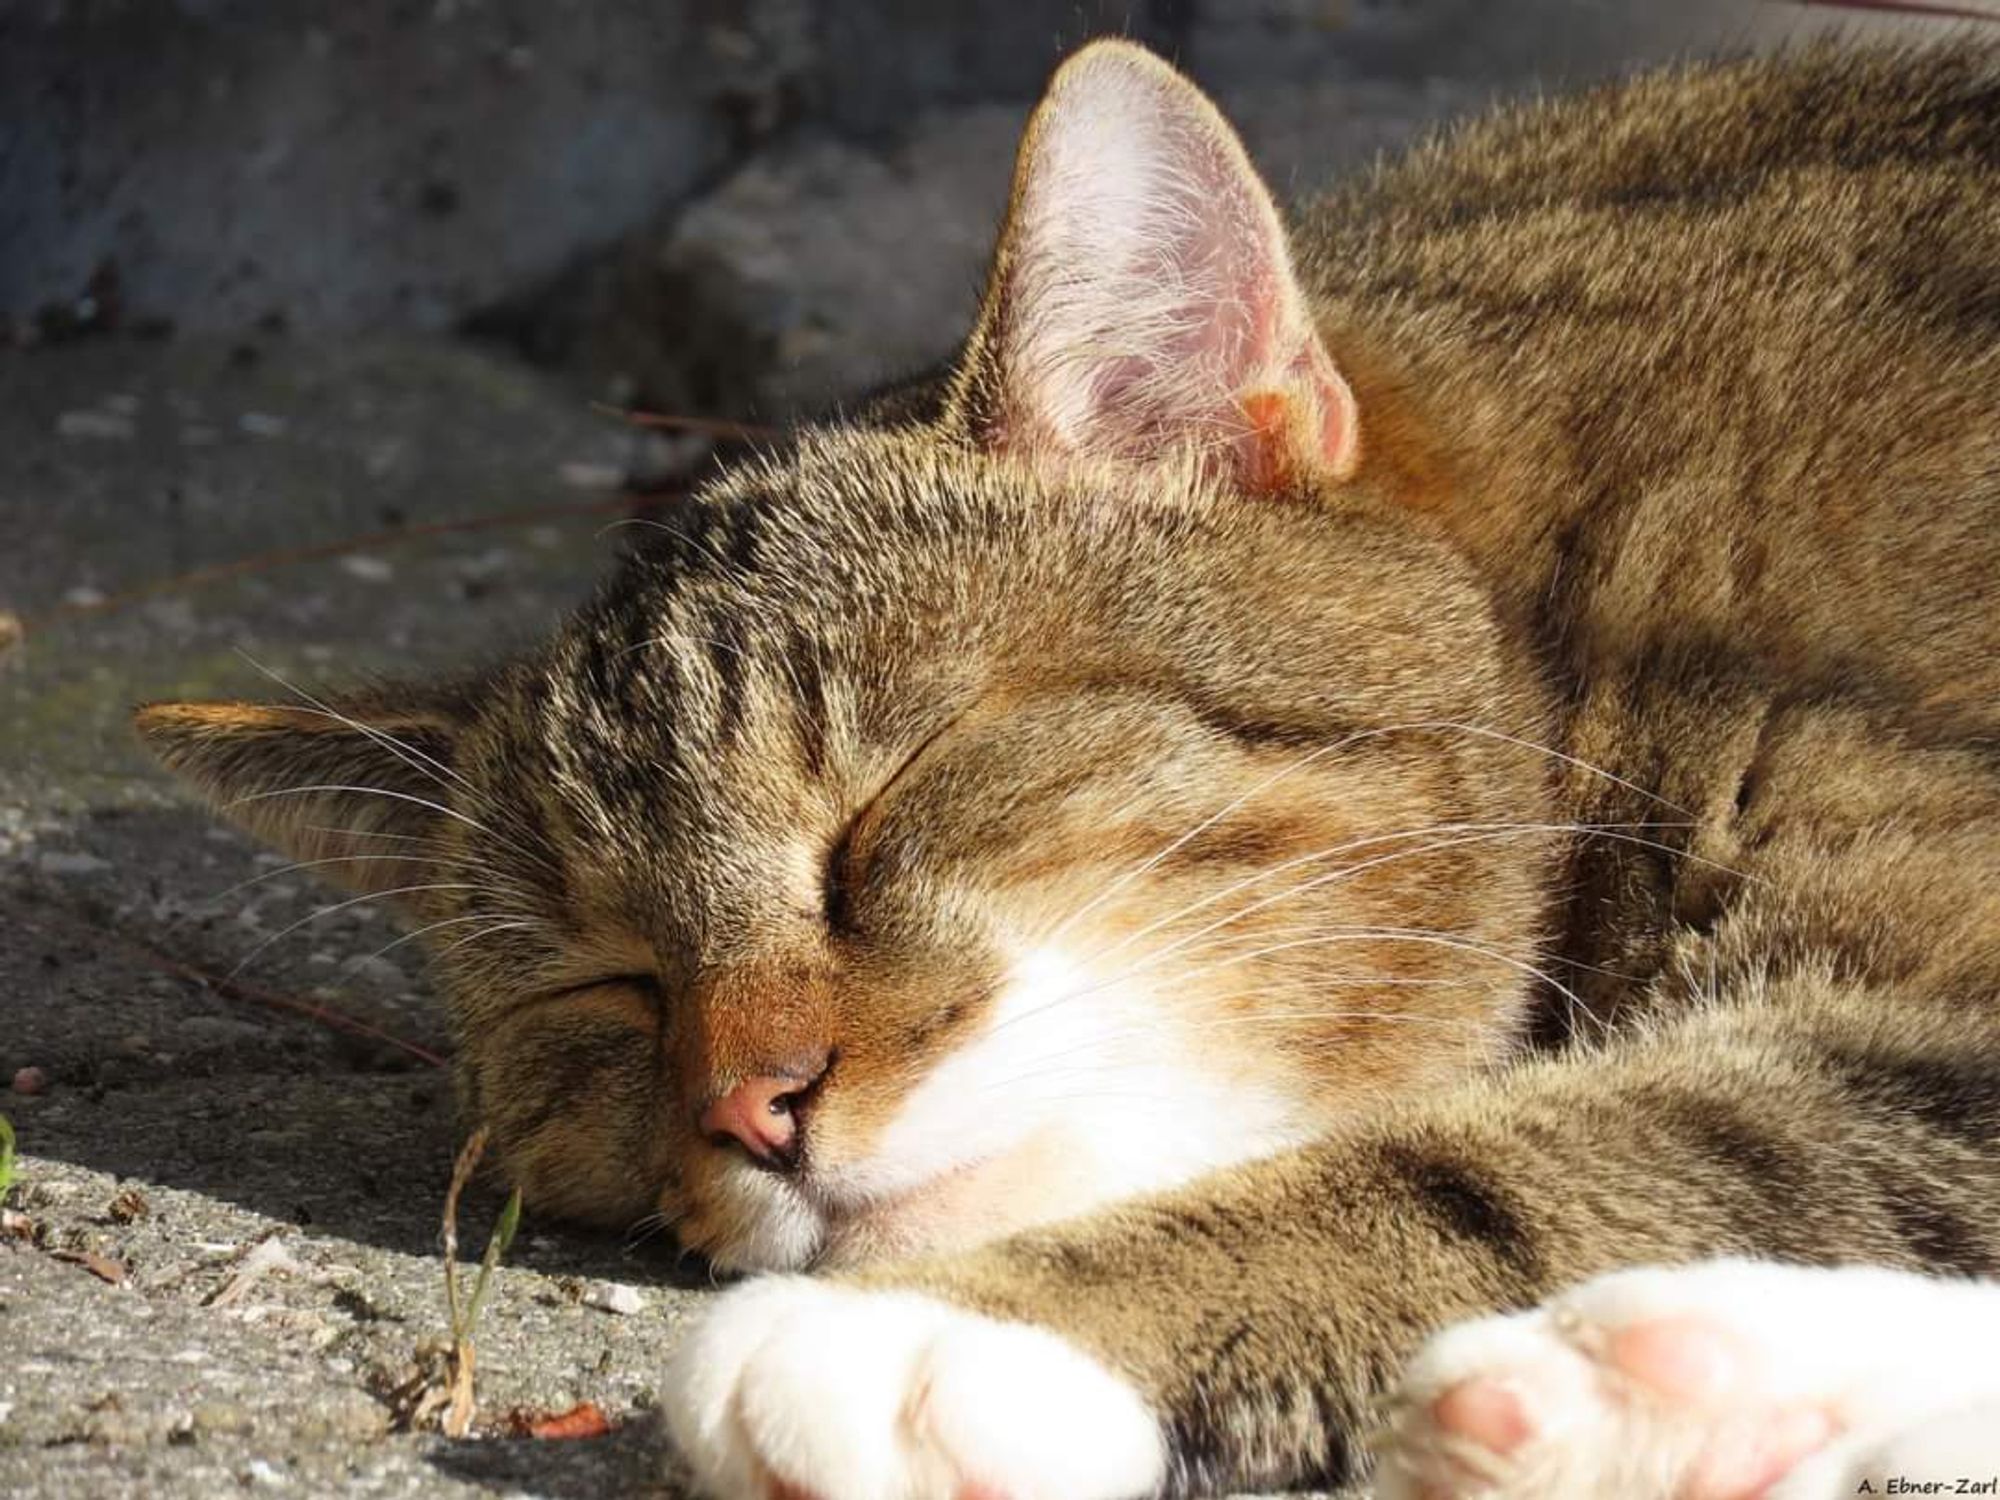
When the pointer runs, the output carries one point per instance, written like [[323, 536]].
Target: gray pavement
[[177, 1126]]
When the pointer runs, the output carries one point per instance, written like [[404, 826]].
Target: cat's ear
[[1143, 299], [365, 787]]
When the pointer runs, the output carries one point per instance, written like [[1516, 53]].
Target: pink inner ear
[[1148, 303]]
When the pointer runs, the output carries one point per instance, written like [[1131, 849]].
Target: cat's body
[[1485, 750]]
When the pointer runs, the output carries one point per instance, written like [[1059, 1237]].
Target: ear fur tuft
[[352, 787]]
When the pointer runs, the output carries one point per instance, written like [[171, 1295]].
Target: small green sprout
[[497, 1245], [457, 1395], [440, 1391]]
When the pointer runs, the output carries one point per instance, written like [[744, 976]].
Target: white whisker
[[1346, 741], [1487, 835], [424, 931], [1203, 826], [1148, 960], [340, 906], [339, 859], [409, 754], [484, 932], [366, 791], [1481, 832], [1224, 1023]]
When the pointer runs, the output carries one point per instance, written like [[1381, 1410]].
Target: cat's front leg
[[795, 1388]]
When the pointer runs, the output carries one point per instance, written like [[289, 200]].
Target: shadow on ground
[[154, 1074], [629, 1462]]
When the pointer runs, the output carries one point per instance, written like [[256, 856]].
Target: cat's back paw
[[806, 1390], [1720, 1381]]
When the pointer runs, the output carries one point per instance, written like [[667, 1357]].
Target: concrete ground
[[179, 1113]]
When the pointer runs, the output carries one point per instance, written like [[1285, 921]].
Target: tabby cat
[[1377, 839]]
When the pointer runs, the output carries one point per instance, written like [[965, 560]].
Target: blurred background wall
[[736, 208]]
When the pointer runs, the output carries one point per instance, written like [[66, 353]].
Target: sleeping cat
[[1417, 785]]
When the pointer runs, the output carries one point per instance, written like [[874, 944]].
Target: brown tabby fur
[[1680, 453]]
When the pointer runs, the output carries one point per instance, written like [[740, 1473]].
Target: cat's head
[[949, 825]]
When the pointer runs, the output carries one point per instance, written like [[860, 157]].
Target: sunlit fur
[[1565, 841]]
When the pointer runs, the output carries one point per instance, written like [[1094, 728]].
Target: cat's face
[[938, 830]]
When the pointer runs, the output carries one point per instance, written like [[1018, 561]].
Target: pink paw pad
[[1486, 1412], [1694, 1362], [1683, 1359]]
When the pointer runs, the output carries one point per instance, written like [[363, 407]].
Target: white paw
[[1719, 1381], [792, 1387]]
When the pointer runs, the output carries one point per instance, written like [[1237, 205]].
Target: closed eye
[[837, 878], [647, 984], [835, 890]]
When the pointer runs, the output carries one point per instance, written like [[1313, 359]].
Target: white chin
[[1041, 1181], [783, 1229], [772, 1228], [901, 1230]]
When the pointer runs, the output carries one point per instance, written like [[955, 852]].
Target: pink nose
[[758, 1113]]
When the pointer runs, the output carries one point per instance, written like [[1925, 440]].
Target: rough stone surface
[[796, 205], [400, 165]]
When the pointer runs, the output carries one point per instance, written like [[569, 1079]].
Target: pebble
[[70, 862], [262, 424], [590, 476], [378, 970], [109, 425], [484, 566], [367, 568], [221, 1416], [175, 616], [83, 596], [615, 1297], [344, 1414], [30, 1080]]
